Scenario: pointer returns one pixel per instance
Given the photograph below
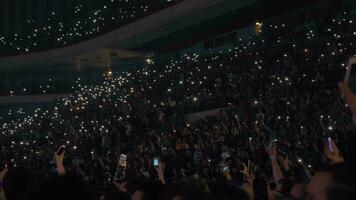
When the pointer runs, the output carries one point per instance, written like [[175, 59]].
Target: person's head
[[230, 192], [298, 190], [186, 191], [116, 195], [17, 182], [61, 187], [261, 189], [316, 189], [285, 186], [341, 192], [148, 191], [327, 178]]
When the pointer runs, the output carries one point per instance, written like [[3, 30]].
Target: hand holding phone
[[246, 169], [159, 169], [58, 159], [122, 160], [330, 144], [60, 150], [155, 162], [225, 169], [332, 152]]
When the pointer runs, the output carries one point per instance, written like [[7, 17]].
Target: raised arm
[[58, 159], [277, 172], [160, 172], [332, 153], [2, 176], [350, 99]]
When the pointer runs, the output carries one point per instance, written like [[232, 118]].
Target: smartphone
[[350, 77], [331, 147], [61, 150], [155, 162], [226, 168], [122, 160]]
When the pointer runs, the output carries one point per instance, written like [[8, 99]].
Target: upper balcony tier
[[82, 22]]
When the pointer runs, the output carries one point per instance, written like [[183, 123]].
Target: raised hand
[[285, 161], [334, 154], [120, 186], [3, 173], [226, 174], [247, 172], [2, 176], [160, 171], [271, 151], [58, 159]]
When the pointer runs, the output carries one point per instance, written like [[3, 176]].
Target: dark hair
[[116, 195], [343, 185], [62, 187], [341, 173], [151, 190], [260, 189], [186, 192], [231, 192], [287, 184], [341, 192], [17, 182]]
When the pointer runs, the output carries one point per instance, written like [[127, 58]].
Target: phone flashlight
[[331, 148], [156, 162], [300, 160]]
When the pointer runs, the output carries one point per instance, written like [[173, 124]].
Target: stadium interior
[[177, 99]]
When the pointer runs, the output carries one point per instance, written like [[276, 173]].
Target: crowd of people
[[84, 21], [282, 130]]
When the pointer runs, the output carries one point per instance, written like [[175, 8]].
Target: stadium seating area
[[85, 21], [280, 105]]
